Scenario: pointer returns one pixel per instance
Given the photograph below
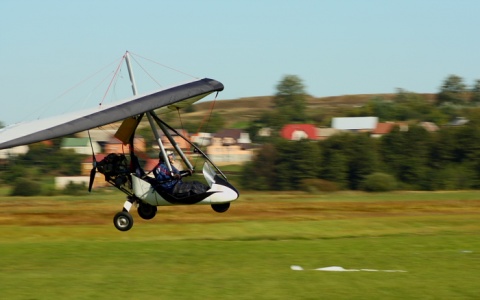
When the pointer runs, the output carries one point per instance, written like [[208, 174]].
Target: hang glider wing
[[171, 98]]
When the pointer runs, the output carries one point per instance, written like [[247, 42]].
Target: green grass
[[5, 190], [67, 248]]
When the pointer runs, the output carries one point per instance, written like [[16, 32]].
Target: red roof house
[[296, 132]]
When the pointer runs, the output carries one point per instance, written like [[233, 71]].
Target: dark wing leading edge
[[39, 130]]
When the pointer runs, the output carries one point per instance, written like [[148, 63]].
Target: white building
[[355, 123]]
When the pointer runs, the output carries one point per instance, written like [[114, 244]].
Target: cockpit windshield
[[208, 173]]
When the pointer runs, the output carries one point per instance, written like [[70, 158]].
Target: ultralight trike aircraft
[[125, 173]]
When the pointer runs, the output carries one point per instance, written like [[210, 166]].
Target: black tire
[[123, 221], [146, 211], [221, 208]]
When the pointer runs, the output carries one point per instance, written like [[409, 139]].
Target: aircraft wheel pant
[[221, 207], [123, 221]]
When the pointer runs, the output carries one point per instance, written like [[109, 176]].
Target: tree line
[[412, 160], [32, 173]]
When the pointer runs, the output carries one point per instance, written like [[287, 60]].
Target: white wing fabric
[[40, 130]]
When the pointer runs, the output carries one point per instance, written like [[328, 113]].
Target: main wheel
[[146, 211], [222, 207], [123, 221]]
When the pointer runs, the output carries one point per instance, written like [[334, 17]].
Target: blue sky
[[335, 47]]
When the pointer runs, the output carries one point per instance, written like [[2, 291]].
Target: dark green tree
[[334, 166], [259, 174], [406, 155], [379, 107], [411, 106], [453, 91], [281, 165], [296, 161], [26, 187], [467, 143], [442, 148], [13, 171], [42, 161], [362, 159], [347, 159], [475, 94], [291, 99]]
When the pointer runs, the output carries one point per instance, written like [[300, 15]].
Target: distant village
[[226, 147]]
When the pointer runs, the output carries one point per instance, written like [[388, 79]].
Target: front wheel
[[123, 221], [222, 207]]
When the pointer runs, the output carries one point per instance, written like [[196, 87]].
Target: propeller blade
[[94, 162], [92, 178]]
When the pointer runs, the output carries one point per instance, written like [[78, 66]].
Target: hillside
[[239, 111]]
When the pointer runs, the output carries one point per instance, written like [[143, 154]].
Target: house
[[230, 146], [113, 145], [357, 124], [429, 126], [201, 139], [183, 144], [87, 163], [459, 121], [382, 129], [12, 152], [325, 133], [81, 145], [265, 132], [99, 135], [296, 132], [62, 181]]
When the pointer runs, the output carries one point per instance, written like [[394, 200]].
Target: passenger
[[171, 182]]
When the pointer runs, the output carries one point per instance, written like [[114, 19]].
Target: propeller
[[93, 172], [94, 162]]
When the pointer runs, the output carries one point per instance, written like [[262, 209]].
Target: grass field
[[68, 248]]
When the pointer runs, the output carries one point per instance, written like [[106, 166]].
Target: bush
[[379, 182], [75, 189], [314, 185], [26, 187]]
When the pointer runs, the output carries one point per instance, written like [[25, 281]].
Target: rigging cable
[[180, 118], [212, 105], [165, 66], [48, 105], [113, 78], [148, 74]]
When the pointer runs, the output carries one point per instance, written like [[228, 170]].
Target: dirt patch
[[52, 212]]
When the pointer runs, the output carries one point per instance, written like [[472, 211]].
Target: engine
[[115, 168]]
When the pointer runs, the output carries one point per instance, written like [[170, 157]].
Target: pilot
[[167, 179], [172, 183]]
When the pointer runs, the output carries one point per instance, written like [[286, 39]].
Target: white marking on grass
[[341, 269], [336, 269]]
